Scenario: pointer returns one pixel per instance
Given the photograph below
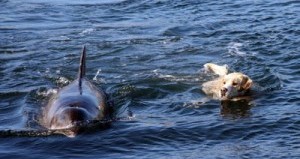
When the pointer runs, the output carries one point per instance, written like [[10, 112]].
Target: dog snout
[[224, 91]]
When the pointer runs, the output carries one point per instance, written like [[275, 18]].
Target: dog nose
[[223, 91]]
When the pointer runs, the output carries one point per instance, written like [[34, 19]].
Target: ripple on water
[[151, 54]]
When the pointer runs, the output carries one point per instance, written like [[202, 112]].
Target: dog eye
[[224, 82], [234, 83]]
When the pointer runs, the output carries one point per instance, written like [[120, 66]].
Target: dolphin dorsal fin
[[81, 71]]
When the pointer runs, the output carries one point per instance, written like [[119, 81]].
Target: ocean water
[[148, 55]]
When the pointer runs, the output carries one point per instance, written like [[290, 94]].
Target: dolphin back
[[78, 102]]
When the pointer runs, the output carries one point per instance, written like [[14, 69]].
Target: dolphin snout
[[70, 117]]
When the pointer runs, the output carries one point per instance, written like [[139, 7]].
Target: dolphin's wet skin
[[68, 111]]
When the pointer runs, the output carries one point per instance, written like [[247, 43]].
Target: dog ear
[[246, 82], [219, 70]]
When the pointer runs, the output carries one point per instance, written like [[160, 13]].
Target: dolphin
[[77, 103]]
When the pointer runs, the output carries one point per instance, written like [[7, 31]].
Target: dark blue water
[[148, 55]]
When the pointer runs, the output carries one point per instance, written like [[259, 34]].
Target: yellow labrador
[[226, 86]]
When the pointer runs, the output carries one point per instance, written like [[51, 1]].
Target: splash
[[98, 79], [235, 49], [85, 126], [46, 93], [196, 103], [63, 81], [87, 31], [59, 38], [179, 78]]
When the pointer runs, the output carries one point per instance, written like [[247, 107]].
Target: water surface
[[148, 55]]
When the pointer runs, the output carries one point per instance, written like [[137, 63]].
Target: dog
[[226, 86], [76, 103]]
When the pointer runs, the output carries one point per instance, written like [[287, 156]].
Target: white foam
[[234, 48], [87, 31], [59, 38], [47, 93], [57, 71], [98, 79], [185, 78], [63, 80]]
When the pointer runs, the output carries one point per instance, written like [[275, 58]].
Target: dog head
[[234, 85]]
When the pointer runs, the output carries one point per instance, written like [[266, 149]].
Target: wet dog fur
[[226, 86]]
